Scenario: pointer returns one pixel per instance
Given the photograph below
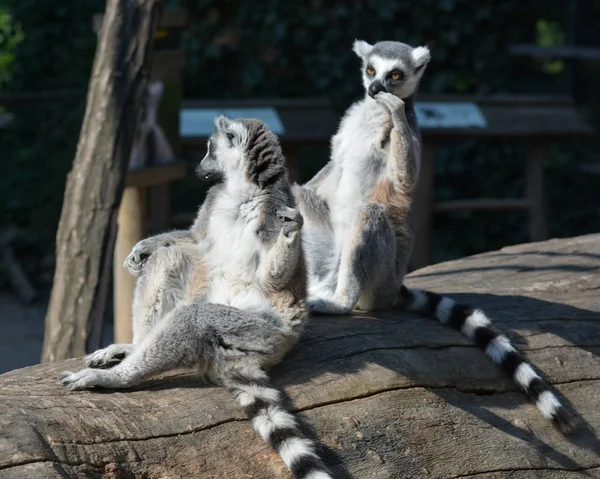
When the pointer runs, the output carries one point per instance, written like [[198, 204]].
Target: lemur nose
[[375, 88]]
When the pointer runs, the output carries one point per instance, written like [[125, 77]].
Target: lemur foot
[[109, 356], [90, 378], [140, 253], [329, 306], [390, 101], [292, 221]]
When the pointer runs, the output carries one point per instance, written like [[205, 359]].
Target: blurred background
[[281, 50]]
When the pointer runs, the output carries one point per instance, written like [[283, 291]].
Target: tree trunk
[[88, 222], [389, 395]]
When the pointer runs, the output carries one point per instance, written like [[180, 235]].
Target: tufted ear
[[223, 124], [421, 57], [362, 48]]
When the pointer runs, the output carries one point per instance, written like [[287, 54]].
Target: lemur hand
[[292, 220], [390, 101], [140, 253]]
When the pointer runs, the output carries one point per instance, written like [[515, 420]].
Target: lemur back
[[244, 259], [359, 207]]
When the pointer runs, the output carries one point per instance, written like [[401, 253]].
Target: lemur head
[[243, 149], [393, 67]]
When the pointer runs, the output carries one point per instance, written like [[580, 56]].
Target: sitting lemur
[[357, 231], [230, 303]]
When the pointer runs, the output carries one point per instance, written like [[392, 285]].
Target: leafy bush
[[278, 48]]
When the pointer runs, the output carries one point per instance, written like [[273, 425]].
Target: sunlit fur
[[227, 298]]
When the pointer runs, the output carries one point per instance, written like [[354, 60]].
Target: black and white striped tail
[[265, 408], [475, 325]]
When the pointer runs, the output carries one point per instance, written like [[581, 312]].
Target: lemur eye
[[396, 75], [230, 136], [371, 71]]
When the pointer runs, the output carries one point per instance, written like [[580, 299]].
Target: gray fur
[[227, 298], [367, 187], [371, 226]]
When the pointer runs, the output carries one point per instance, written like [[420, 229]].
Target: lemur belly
[[233, 254], [356, 149]]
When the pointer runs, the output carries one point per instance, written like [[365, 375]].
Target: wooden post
[[88, 222], [132, 221], [423, 208], [535, 193]]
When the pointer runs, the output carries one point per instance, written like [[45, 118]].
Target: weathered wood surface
[[390, 396]]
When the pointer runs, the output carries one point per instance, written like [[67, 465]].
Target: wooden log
[[88, 222], [391, 395]]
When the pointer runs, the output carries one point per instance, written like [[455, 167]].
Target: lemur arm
[[281, 260], [405, 145], [145, 248]]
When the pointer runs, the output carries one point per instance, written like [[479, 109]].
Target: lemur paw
[[140, 253], [292, 220], [84, 379], [328, 306], [390, 101], [108, 357]]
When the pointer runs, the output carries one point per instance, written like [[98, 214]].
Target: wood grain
[[391, 395]]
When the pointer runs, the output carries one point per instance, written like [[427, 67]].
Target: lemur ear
[[362, 48], [223, 124], [421, 57]]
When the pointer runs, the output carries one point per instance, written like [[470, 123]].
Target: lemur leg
[[366, 255], [282, 258], [161, 286], [140, 253], [405, 144], [195, 335]]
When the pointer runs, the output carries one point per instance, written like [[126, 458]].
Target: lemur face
[[242, 151], [391, 67], [225, 151]]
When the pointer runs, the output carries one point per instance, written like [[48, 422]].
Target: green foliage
[[550, 34], [296, 49], [11, 35]]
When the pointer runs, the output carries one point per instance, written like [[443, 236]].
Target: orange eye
[[396, 76], [370, 71]]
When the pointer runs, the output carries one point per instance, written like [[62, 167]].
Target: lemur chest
[[234, 253], [359, 153]]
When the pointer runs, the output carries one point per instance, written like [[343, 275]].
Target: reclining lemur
[[232, 301], [357, 231]]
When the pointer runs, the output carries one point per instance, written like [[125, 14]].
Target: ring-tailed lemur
[[357, 230], [231, 303], [357, 211]]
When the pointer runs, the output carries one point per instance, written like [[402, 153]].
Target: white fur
[[318, 475], [295, 448], [271, 419], [498, 348], [444, 309], [419, 300], [362, 48], [383, 66], [525, 374], [548, 404], [476, 320], [421, 55], [251, 393]]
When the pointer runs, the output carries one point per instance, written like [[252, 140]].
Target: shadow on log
[[389, 395]]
